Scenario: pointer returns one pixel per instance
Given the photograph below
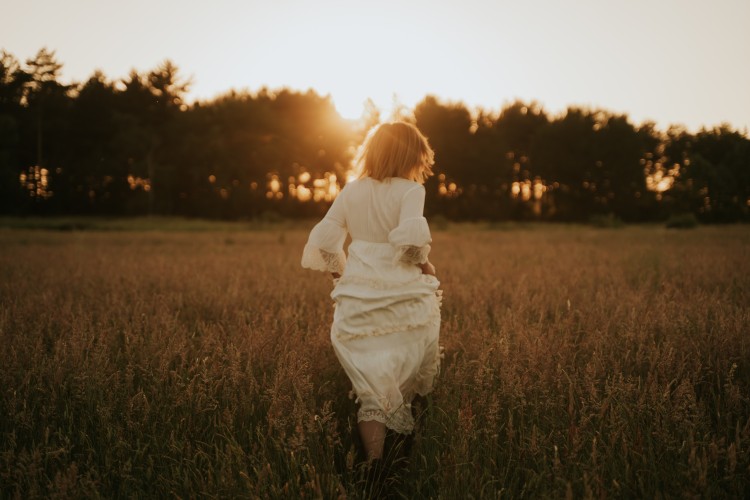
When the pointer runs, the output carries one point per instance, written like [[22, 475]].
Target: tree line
[[133, 146]]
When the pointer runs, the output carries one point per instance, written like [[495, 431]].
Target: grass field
[[579, 362]]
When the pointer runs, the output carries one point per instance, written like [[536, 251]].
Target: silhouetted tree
[[13, 81], [515, 130], [92, 173], [715, 182], [45, 95], [153, 102], [448, 128], [564, 153], [618, 178], [135, 147]]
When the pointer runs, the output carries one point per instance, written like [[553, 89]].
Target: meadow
[[195, 362]]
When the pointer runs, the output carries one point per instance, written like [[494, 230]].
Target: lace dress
[[386, 322]]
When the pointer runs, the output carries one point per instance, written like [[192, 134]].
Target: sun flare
[[350, 105]]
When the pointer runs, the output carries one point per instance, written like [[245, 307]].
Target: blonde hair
[[395, 149]]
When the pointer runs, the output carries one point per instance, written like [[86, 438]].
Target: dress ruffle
[[367, 306], [400, 420], [318, 259], [412, 254], [401, 309]]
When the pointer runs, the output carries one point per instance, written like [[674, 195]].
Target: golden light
[[539, 189], [526, 191], [35, 179], [333, 188], [664, 184], [303, 193], [349, 104], [659, 182]]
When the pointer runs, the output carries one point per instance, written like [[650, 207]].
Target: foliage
[[578, 363], [134, 146]]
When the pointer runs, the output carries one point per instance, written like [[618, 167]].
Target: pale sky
[[671, 61]]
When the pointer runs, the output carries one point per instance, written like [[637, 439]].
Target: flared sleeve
[[324, 250], [412, 236]]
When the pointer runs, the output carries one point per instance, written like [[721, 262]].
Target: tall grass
[[579, 363]]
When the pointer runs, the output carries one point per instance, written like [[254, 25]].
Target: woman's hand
[[427, 268]]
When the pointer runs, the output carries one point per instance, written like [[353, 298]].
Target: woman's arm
[[412, 235], [324, 249]]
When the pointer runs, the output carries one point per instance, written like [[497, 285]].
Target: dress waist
[[382, 245], [379, 294], [377, 261]]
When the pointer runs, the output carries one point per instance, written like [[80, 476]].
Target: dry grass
[[579, 363]]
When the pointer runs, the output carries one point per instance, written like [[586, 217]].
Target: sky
[[682, 62]]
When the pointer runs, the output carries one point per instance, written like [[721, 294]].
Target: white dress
[[386, 322]]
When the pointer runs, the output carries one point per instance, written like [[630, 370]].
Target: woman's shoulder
[[407, 182], [399, 186], [403, 185], [407, 186], [351, 188]]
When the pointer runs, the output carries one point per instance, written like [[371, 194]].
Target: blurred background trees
[[134, 146]]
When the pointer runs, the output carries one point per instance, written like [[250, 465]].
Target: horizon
[[682, 70]]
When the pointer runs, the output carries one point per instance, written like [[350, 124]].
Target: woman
[[387, 318]]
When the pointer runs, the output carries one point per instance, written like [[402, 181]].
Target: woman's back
[[389, 233], [373, 208]]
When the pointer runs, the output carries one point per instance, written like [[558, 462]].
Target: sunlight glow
[[659, 181], [483, 53], [350, 105], [304, 188], [135, 182], [36, 180]]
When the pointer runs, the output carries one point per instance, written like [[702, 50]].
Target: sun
[[358, 104], [350, 105]]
